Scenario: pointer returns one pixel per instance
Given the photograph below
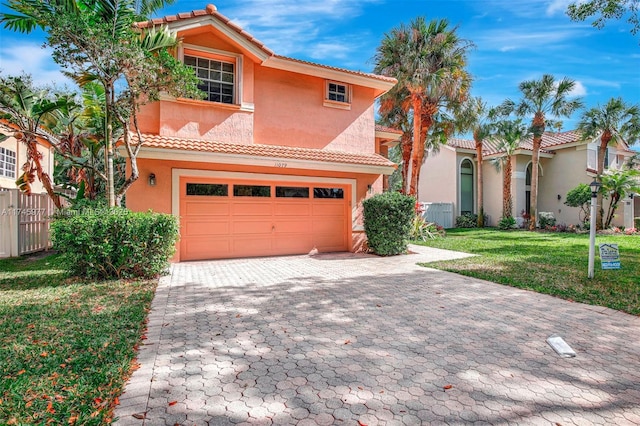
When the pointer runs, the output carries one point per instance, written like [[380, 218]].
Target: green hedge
[[115, 243], [387, 222], [636, 222]]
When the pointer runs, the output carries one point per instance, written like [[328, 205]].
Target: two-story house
[[450, 176], [276, 160]]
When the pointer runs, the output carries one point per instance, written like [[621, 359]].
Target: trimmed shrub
[[467, 220], [115, 243], [387, 222], [546, 219], [507, 223]]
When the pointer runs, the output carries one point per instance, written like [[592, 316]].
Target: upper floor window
[[217, 78], [7, 163], [337, 95]]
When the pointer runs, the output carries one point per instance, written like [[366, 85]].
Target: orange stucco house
[[278, 158]]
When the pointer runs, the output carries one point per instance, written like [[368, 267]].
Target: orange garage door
[[226, 219]]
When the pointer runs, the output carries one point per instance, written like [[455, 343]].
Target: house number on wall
[[280, 164]]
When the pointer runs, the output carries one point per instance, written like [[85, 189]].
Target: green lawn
[[67, 345], [551, 263]]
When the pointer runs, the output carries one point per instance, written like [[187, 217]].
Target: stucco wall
[[562, 173], [492, 193], [438, 178]]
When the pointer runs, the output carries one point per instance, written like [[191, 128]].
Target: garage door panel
[[327, 225], [193, 228], [196, 249], [251, 227], [207, 208], [291, 225], [328, 209], [292, 209], [260, 208]]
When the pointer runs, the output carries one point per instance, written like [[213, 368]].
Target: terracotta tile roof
[[213, 11], [380, 128], [269, 151], [360, 73], [550, 141], [210, 10]]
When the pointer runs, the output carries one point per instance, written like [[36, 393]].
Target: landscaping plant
[[115, 242], [387, 222]]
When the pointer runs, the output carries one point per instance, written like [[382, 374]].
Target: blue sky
[[515, 40]]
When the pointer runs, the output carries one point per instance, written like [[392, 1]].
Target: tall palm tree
[[96, 39], [475, 116], [428, 60], [508, 134], [541, 98], [613, 122], [25, 109]]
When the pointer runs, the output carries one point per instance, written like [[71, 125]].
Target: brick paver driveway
[[353, 339]]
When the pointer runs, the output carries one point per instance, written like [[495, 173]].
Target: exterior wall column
[[628, 213]]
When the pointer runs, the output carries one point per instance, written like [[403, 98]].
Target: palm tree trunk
[[535, 160], [405, 145], [602, 150], [479, 184], [507, 210], [418, 145]]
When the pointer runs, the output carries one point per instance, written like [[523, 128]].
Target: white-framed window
[[7, 163], [217, 78], [337, 95]]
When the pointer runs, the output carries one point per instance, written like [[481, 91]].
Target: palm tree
[[541, 98], [508, 134], [97, 41], [25, 110], [613, 122], [394, 113], [475, 116], [618, 183], [429, 61]]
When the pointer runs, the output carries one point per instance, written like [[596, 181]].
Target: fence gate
[[440, 213], [24, 222]]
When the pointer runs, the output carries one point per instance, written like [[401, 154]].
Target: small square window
[[337, 92]]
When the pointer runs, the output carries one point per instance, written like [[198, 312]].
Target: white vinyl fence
[[440, 213], [24, 222]]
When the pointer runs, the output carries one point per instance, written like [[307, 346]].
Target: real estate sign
[[609, 256]]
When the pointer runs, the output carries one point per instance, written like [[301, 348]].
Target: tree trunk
[[602, 150], [535, 160], [406, 144], [415, 149], [110, 98], [426, 120], [479, 182], [615, 200], [507, 210]]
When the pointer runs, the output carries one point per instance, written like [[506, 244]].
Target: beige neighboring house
[[450, 175]]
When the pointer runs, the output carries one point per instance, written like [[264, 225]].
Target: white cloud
[[31, 58], [578, 90], [558, 6]]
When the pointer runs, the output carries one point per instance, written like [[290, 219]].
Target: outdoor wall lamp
[[152, 179], [595, 185]]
